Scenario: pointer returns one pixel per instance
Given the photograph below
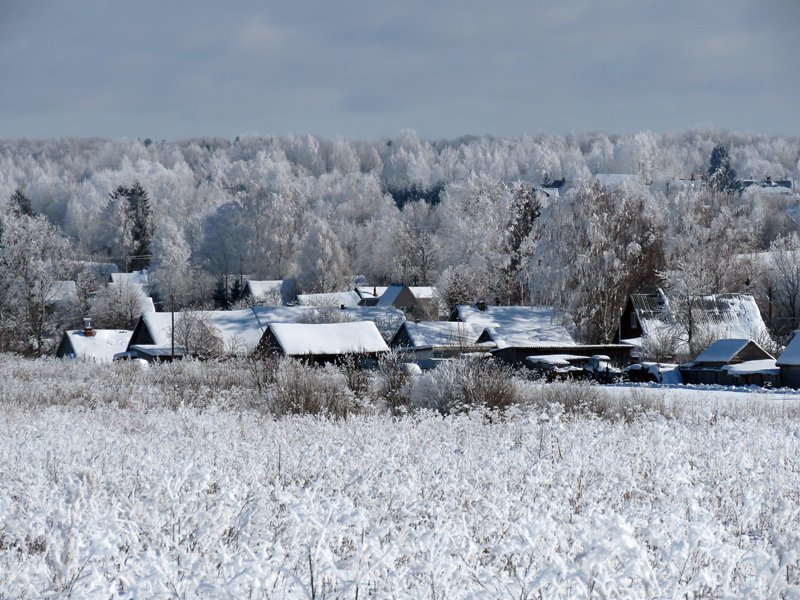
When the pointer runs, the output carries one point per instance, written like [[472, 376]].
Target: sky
[[367, 70]]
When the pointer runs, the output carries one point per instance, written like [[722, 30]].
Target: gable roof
[[263, 290], [303, 339], [790, 357], [336, 299], [391, 294], [234, 326], [442, 334], [722, 316], [387, 319], [370, 291], [139, 277], [100, 347], [63, 292], [519, 326], [731, 350], [538, 336]]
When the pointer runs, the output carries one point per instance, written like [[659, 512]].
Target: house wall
[[141, 335], [790, 377], [618, 355], [65, 347], [627, 330]]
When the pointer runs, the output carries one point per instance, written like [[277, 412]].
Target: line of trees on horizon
[[469, 216]]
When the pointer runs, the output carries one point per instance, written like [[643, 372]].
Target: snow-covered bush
[[468, 383], [394, 382], [300, 388]]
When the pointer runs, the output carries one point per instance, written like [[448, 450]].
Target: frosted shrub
[[305, 389], [394, 382], [460, 385]]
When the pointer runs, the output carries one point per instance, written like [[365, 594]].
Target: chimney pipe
[[87, 327]]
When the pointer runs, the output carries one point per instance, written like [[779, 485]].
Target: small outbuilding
[[789, 363], [733, 361]]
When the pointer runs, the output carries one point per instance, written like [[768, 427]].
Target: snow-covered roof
[[720, 316], [731, 350], [751, 367], [552, 192], [140, 277], [261, 290], [370, 291], [101, 269], [387, 318], [790, 357], [236, 327], [442, 333], [390, 294], [518, 326], [337, 299], [300, 339], [542, 335], [615, 180], [100, 347], [556, 360], [63, 291], [283, 314], [722, 351], [389, 297], [145, 301], [423, 292]]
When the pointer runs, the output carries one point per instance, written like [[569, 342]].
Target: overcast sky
[[175, 69]]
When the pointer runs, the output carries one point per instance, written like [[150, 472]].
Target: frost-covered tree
[[323, 265], [34, 262], [133, 217], [721, 174], [596, 247], [21, 204], [519, 242], [172, 272], [783, 262], [118, 306]]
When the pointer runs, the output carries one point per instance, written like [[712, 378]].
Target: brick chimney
[[87, 327]]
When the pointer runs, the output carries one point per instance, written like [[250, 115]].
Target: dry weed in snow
[[153, 498]]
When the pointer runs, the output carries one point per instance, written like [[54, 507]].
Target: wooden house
[[323, 342], [649, 319], [733, 361], [96, 345], [439, 339], [789, 363]]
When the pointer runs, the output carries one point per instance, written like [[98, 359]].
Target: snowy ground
[[153, 499]]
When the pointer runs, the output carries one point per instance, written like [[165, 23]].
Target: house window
[[633, 320]]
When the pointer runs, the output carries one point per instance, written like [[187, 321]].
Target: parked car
[[601, 370], [653, 372], [557, 367]]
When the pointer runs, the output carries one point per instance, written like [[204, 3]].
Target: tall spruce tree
[[721, 174], [137, 226]]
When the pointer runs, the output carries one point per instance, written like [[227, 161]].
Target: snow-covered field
[[115, 483]]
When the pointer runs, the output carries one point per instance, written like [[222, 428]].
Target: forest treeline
[[467, 215]]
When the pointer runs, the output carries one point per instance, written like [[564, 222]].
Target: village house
[[96, 345], [733, 361], [323, 342], [789, 363], [338, 299], [274, 292], [418, 302], [519, 332], [648, 322], [438, 339]]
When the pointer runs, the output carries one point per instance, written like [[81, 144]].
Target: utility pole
[[172, 330]]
